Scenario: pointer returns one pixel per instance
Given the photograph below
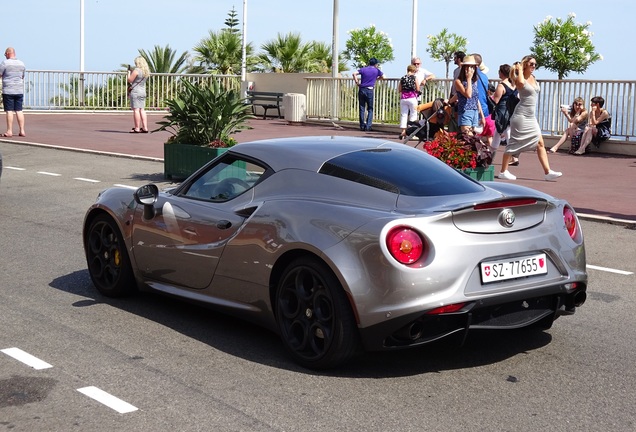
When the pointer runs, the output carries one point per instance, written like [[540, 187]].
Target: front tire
[[107, 258], [314, 316]]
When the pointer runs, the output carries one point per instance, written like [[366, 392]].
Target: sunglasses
[[416, 64], [532, 64]]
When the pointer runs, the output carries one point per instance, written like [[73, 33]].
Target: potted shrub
[[201, 119], [465, 153]]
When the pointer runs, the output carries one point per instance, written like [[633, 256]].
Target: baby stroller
[[436, 115]]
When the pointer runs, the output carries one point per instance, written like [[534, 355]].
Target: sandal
[[144, 130], [133, 130]]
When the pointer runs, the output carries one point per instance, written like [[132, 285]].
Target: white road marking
[[49, 173], [15, 168], [87, 180], [125, 186], [107, 399], [610, 270], [26, 358]]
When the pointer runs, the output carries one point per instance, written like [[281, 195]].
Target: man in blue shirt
[[12, 73], [368, 75], [482, 86], [482, 83]]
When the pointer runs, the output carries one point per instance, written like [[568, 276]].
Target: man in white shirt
[[12, 72], [422, 76]]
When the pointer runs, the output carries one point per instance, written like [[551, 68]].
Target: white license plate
[[493, 271]]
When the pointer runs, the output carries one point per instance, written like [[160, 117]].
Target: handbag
[[501, 116], [491, 104]]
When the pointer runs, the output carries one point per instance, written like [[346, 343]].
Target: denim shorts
[[469, 118], [11, 102]]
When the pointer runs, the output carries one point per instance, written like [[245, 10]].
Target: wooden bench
[[266, 100]]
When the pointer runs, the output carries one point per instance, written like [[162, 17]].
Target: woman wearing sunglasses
[[525, 133]]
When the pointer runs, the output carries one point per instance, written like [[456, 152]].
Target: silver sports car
[[340, 244]]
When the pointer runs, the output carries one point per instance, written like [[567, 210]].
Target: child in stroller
[[436, 115]]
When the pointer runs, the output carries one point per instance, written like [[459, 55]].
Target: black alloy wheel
[[313, 313], [107, 258]]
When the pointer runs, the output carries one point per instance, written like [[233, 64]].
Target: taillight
[[516, 202], [446, 309], [405, 244], [570, 221]]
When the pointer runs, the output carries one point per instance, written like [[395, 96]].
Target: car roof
[[308, 153]]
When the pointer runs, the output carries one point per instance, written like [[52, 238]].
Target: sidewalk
[[599, 186]]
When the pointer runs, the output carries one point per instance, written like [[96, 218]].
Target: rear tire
[[314, 316], [107, 258]]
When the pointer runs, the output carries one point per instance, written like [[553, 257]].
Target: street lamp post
[[81, 77], [414, 30], [244, 48], [334, 62]]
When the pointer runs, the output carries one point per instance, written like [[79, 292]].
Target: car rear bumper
[[510, 311]]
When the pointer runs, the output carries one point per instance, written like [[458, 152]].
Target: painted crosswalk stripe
[[49, 173], [86, 180], [15, 168], [107, 399], [610, 270], [26, 358]]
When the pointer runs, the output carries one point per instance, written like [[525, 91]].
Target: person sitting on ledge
[[598, 127], [577, 120]]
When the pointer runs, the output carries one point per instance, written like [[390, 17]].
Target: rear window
[[412, 173]]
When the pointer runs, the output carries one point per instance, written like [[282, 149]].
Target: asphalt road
[[175, 366]]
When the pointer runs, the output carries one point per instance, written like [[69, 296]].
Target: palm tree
[[162, 60], [220, 52], [321, 59], [286, 53]]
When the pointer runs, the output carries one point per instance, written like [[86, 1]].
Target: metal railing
[[55, 90], [620, 101], [73, 90]]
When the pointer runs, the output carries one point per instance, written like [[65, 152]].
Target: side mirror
[[147, 196]]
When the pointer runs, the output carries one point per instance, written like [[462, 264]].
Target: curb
[[629, 224]]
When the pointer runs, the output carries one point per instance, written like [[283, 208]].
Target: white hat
[[469, 61]]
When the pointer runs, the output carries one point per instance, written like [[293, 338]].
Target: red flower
[[455, 153]]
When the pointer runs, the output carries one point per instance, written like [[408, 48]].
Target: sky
[[46, 33]]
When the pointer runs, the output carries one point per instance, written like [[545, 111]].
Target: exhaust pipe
[[410, 332], [579, 298]]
